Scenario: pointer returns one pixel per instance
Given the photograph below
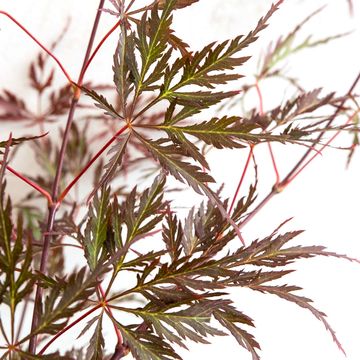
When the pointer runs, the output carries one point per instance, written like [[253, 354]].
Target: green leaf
[[146, 346], [226, 132], [150, 207], [96, 343], [17, 284], [197, 99], [97, 226], [179, 3], [169, 158], [102, 103], [285, 47], [52, 356], [157, 28], [189, 148], [199, 69], [228, 317], [66, 299], [191, 323], [89, 324]]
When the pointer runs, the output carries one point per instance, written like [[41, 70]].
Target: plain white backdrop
[[323, 200]]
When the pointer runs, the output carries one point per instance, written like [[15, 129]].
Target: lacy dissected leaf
[[172, 235], [179, 3], [206, 69], [271, 251], [198, 70], [169, 157], [147, 346], [152, 41], [189, 148], [97, 226], [305, 103], [53, 356], [66, 299], [190, 240], [226, 132], [36, 80], [118, 151], [198, 99], [6, 254], [149, 212], [123, 68], [198, 274], [211, 227], [287, 292], [96, 343], [13, 108], [192, 323], [229, 317], [285, 46], [142, 260], [14, 255], [60, 101], [17, 141], [102, 103]]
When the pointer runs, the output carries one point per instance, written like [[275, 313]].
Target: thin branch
[[317, 140], [40, 44], [68, 327], [261, 112], [59, 168], [351, 118], [29, 182], [87, 166], [97, 49], [277, 188], [39, 291], [117, 330], [241, 179]]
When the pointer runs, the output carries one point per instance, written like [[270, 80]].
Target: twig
[[277, 188], [65, 329], [39, 43], [29, 182], [53, 208]]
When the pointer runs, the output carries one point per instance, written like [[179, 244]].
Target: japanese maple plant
[[160, 277]]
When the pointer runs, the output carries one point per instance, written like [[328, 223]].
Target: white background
[[323, 200]]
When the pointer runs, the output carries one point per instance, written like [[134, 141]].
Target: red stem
[[321, 149], [261, 112], [39, 43], [87, 166], [241, 179], [277, 188], [117, 330], [31, 183], [96, 50], [54, 193], [82, 317], [277, 175]]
